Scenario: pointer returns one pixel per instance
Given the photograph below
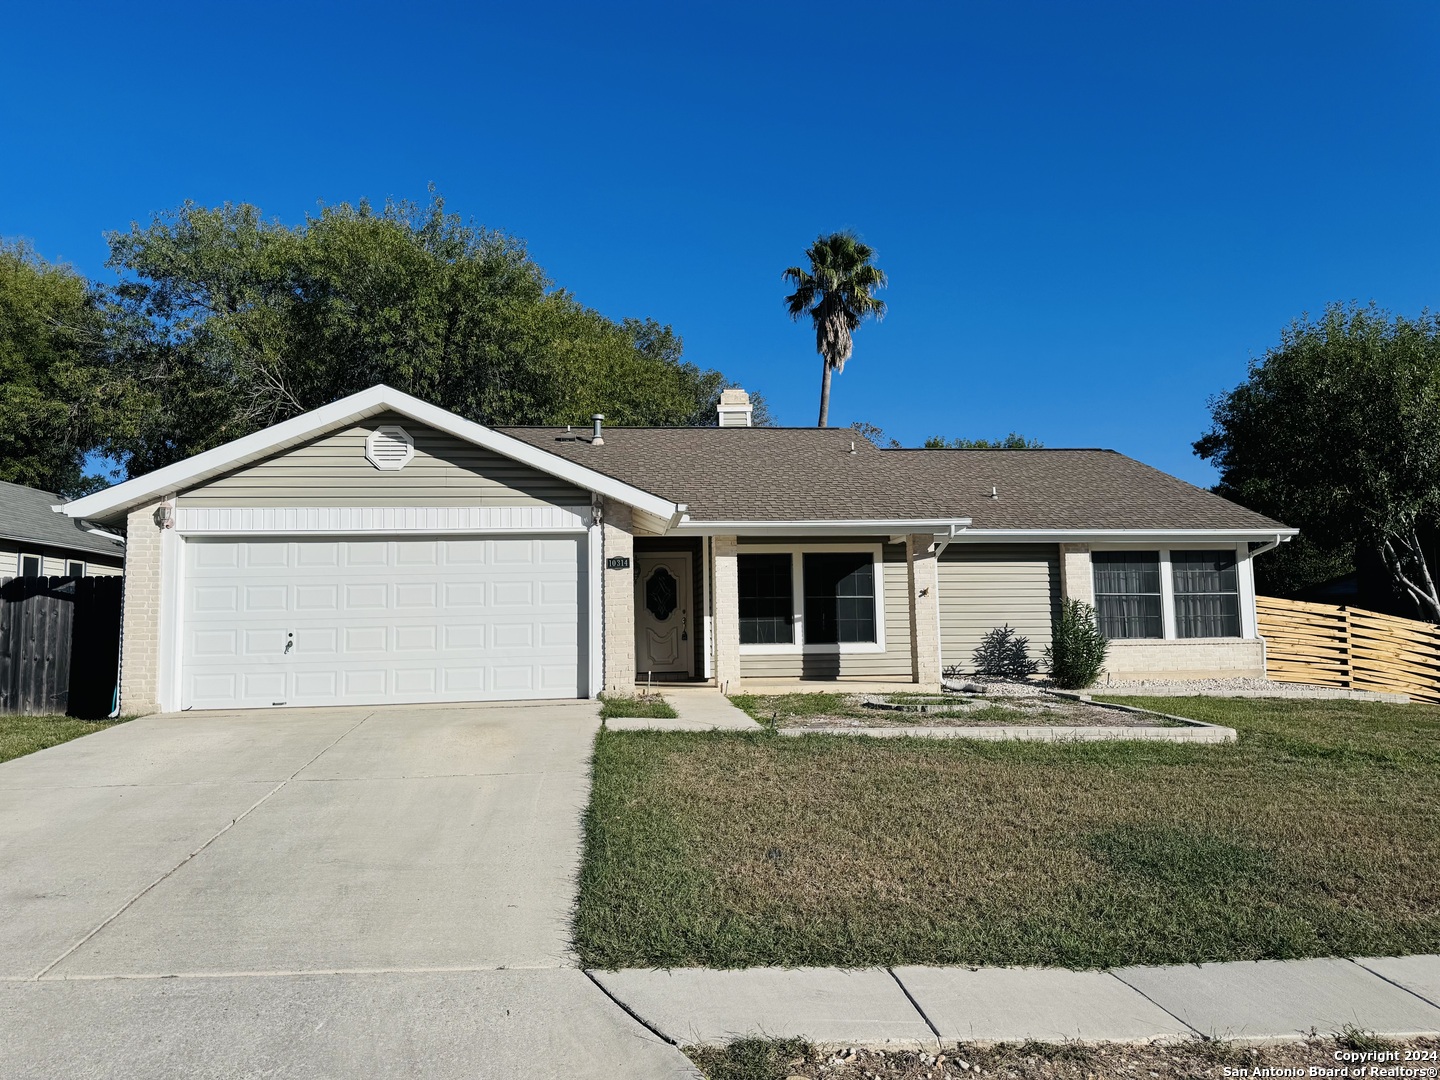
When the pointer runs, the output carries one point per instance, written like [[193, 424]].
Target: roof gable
[[263, 444]]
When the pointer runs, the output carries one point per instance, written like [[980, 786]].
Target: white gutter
[[1123, 535], [1280, 538], [851, 527]]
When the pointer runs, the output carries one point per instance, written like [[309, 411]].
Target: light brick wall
[[1194, 658], [923, 578], [618, 594], [140, 625], [1077, 579], [725, 584]]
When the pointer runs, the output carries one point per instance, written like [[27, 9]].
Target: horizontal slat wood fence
[[1349, 647], [59, 645]]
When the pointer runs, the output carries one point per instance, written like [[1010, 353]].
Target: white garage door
[[330, 622]]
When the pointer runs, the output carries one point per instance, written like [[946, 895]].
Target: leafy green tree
[[58, 396], [838, 293], [233, 322], [875, 433], [1337, 431], [1013, 441]]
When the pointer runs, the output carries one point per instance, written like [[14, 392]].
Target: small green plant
[[1004, 654], [1077, 648]]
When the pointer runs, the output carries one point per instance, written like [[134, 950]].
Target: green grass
[[21, 735], [644, 707], [1317, 834]]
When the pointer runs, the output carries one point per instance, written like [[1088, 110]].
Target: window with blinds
[[1127, 594], [1207, 594]]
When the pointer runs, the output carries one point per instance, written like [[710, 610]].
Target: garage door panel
[[373, 621], [265, 598], [258, 554], [372, 596], [365, 553]]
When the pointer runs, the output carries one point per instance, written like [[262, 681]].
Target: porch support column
[[1077, 582], [922, 574], [618, 594], [725, 584]]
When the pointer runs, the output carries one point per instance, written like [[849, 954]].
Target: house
[[380, 549], [35, 542]]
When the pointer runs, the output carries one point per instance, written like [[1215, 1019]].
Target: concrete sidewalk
[[701, 708], [1264, 1001]]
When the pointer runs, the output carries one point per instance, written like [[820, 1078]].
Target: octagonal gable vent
[[389, 447]]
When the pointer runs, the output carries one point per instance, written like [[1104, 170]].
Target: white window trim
[[74, 562], [21, 556], [797, 554], [1244, 583]]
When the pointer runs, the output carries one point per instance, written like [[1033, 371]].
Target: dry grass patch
[[1315, 835], [764, 1059], [951, 710]]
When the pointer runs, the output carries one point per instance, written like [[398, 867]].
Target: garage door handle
[[289, 642]]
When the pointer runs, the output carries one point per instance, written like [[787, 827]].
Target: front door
[[662, 614]]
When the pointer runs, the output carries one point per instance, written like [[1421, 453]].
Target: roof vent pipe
[[596, 438]]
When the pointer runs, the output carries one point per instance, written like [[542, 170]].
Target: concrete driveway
[[381, 892]]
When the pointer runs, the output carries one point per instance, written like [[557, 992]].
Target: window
[[1207, 594], [839, 598], [1127, 594], [75, 569], [767, 599], [30, 566]]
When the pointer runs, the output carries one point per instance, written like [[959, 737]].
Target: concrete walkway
[[1265, 1001], [701, 708]]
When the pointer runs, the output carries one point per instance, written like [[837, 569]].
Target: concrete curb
[[1250, 1001], [1053, 733]]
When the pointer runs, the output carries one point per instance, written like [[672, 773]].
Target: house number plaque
[[618, 562]]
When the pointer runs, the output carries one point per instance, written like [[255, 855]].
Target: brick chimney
[[735, 408]]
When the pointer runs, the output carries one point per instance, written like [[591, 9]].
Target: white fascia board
[[371, 402], [1124, 536], [861, 527]]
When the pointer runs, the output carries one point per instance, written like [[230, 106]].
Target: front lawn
[[643, 707], [1317, 834], [21, 735]]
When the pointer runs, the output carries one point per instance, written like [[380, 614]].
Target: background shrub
[[1077, 649], [1004, 654]]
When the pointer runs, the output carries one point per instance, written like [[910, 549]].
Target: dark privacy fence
[[59, 645]]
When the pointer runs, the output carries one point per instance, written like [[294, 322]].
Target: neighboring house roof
[[813, 474], [27, 518]]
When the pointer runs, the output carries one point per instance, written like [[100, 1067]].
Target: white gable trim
[[378, 399]]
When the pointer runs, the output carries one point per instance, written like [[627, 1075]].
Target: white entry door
[[662, 614], [290, 621]]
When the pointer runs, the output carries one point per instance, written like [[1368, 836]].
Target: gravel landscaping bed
[[1004, 705], [793, 1059]]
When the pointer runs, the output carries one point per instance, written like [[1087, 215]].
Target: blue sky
[[1093, 215]]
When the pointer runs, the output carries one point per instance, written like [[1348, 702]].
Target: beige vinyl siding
[[333, 471], [892, 663], [52, 563], [983, 586]]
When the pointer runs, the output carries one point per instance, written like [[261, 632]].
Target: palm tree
[[838, 292]]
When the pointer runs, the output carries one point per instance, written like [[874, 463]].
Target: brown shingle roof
[[811, 474]]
